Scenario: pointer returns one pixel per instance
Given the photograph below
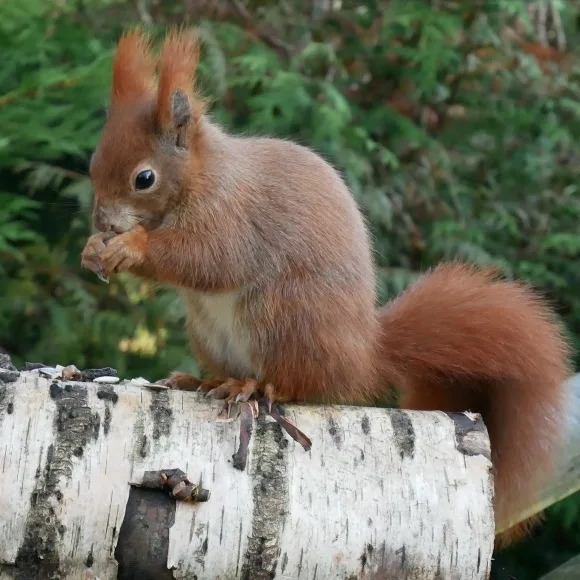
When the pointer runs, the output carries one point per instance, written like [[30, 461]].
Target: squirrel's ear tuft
[[181, 115], [178, 105], [133, 67]]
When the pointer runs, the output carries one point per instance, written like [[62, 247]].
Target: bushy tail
[[459, 339]]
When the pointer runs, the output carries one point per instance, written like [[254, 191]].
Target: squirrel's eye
[[145, 179]]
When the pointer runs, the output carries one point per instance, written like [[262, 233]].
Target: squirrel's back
[[290, 201]]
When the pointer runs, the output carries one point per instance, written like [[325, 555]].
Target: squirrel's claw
[[234, 390]]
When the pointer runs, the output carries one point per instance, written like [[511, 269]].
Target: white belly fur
[[216, 326]]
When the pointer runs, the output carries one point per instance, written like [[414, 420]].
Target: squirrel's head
[[150, 151]]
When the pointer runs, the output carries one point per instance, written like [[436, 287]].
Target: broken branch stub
[[175, 483], [380, 493]]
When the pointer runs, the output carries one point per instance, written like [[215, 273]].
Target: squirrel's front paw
[[125, 251], [91, 254]]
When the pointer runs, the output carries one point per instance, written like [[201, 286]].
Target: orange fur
[[177, 66], [133, 67], [273, 259]]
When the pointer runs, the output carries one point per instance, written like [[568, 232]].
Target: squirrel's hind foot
[[236, 391], [245, 395], [232, 390]]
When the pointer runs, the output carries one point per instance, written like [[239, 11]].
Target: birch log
[[382, 494]]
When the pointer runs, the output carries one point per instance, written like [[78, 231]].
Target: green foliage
[[457, 139], [54, 82], [13, 227]]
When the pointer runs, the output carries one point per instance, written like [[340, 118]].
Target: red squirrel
[[273, 260]]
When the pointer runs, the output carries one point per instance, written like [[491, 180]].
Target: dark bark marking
[[107, 393], [75, 427], [6, 400], [138, 436], [7, 376], [335, 432], [404, 432], [107, 421], [366, 425], [90, 559], [268, 466], [55, 390], [144, 450], [464, 426], [143, 544], [363, 561], [162, 414]]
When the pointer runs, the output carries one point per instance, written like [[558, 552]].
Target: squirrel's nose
[[113, 218]]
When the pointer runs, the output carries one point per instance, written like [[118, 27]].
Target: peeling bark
[[382, 494]]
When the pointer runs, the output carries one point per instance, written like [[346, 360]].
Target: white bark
[[381, 494]]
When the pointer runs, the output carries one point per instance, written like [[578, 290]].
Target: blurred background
[[456, 123]]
